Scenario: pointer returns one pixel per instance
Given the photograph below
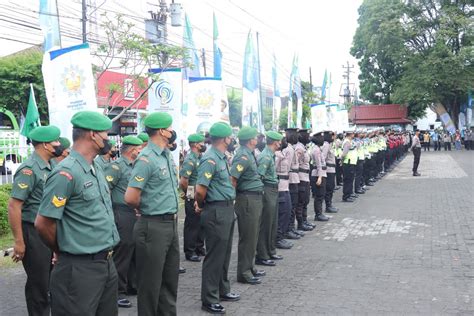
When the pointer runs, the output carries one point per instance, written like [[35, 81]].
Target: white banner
[[69, 85], [333, 119], [343, 121], [319, 118]]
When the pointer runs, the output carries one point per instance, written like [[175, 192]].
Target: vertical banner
[[165, 95], [49, 23], [445, 117], [69, 85], [343, 120], [206, 104], [250, 89], [332, 117], [319, 117]]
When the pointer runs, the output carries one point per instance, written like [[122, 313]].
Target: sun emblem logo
[[204, 99], [73, 80]]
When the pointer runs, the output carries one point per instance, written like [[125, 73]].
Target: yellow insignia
[[190, 163], [139, 179], [109, 178], [240, 168], [58, 201], [211, 161], [22, 185], [115, 167], [208, 175], [244, 158], [188, 173]]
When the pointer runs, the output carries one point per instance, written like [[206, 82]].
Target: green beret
[[144, 137], [112, 142], [91, 120], [158, 120], [196, 138], [45, 134], [247, 133], [132, 140], [65, 142], [274, 135], [220, 129]]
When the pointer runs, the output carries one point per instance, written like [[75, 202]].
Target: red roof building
[[384, 114]]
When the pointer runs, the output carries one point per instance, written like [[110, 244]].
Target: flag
[[49, 23], [32, 118], [295, 87], [324, 86], [250, 92], [188, 44], [217, 51], [276, 89], [276, 96]]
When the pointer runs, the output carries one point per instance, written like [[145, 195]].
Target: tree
[[416, 53], [133, 55], [235, 107], [16, 73]]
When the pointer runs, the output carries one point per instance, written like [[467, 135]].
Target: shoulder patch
[[139, 179], [208, 175], [189, 173], [190, 163], [240, 168], [58, 201], [22, 186], [27, 172], [114, 166], [66, 174], [145, 159], [211, 161], [109, 178]]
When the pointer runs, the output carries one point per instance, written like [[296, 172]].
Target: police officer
[[319, 174], [416, 148], [193, 244], [359, 167], [329, 154], [153, 190], [104, 160], [301, 210], [338, 152], [117, 174], [248, 204], [266, 247], [349, 161], [23, 205], [214, 200], [76, 221]]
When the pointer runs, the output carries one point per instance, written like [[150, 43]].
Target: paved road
[[405, 247]]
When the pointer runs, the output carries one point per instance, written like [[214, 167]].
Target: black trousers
[[303, 200], [294, 193], [37, 265], [319, 197], [338, 172], [125, 250], [368, 169], [192, 233], [330, 185], [348, 185], [359, 175], [416, 159], [284, 211]]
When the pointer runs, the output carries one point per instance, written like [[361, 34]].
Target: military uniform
[[156, 230], [266, 245], [248, 205], [217, 219], [28, 183], [102, 162]]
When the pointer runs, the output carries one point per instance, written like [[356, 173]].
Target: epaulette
[[115, 166], [211, 161], [244, 158], [145, 159]]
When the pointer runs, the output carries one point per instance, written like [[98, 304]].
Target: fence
[[12, 156]]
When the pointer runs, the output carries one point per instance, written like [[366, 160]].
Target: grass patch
[[6, 241]]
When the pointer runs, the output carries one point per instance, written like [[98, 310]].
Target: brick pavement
[[405, 247]]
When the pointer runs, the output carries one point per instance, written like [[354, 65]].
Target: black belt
[[250, 192], [101, 255], [294, 170], [162, 217], [283, 177], [220, 203], [271, 185], [303, 170], [331, 165]]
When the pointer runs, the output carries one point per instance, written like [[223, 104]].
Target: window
[[128, 89]]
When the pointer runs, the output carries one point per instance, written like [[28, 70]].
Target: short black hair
[[125, 148], [270, 141], [215, 139], [150, 131], [243, 142], [35, 143], [78, 133]]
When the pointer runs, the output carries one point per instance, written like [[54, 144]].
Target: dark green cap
[[90, 120], [65, 143], [112, 142], [132, 140], [196, 138], [158, 120], [220, 129], [247, 133], [45, 134], [143, 136], [274, 135]]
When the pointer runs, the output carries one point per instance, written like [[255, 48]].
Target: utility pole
[[347, 90], [84, 21], [310, 81], [203, 56]]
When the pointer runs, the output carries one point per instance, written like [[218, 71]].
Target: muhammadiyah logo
[[73, 80], [164, 92], [204, 99]]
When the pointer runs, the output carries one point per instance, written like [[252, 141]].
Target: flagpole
[[260, 114]]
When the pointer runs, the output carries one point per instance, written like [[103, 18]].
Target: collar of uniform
[[219, 153], [126, 161], [269, 151], [82, 161], [42, 164], [194, 155], [157, 149], [247, 151]]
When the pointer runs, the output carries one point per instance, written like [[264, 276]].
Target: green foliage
[[416, 53], [234, 97], [16, 74], [267, 118], [4, 197], [283, 119]]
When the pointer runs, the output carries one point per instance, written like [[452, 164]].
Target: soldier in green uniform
[[266, 245], [23, 205], [214, 200], [153, 190], [65, 147], [117, 174], [76, 221], [248, 204], [104, 160], [193, 244]]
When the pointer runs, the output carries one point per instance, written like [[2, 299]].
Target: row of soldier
[[104, 223]]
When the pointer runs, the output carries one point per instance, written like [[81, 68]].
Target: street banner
[[69, 85], [319, 118], [251, 111], [333, 119], [445, 117], [343, 120]]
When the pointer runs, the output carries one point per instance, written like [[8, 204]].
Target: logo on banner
[[73, 81], [164, 92], [204, 99]]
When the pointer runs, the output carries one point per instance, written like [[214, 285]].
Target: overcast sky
[[319, 31]]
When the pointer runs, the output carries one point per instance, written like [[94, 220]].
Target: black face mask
[[284, 144], [261, 145], [173, 137], [174, 146], [231, 146], [58, 150], [203, 148], [113, 153], [107, 147]]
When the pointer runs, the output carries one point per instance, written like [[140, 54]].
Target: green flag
[[32, 115]]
